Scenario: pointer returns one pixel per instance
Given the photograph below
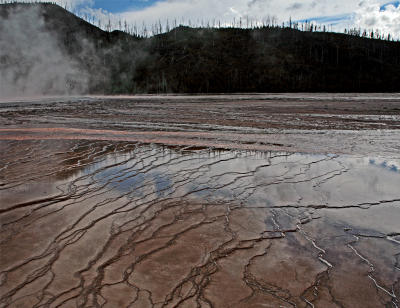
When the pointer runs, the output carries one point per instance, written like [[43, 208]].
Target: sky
[[338, 14]]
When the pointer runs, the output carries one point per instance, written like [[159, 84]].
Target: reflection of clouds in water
[[390, 166], [272, 179], [126, 179], [163, 184]]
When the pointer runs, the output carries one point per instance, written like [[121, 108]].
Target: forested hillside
[[185, 60]]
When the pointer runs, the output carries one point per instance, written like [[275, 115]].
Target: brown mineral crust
[[167, 266], [231, 277], [96, 214], [126, 295]]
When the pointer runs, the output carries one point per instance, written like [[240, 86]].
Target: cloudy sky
[[368, 14]]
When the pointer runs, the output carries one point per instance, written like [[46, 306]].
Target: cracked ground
[[223, 201]]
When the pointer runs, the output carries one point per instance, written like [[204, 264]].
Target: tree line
[[111, 23]]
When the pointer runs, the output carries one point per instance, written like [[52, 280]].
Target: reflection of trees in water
[[60, 159], [63, 159]]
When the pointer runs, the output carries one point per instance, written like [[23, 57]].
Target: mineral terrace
[[200, 201]]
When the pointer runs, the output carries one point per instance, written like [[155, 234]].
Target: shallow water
[[200, 201], [217, 174], [122, 224]]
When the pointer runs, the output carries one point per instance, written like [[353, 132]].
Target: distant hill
[[46, 49]]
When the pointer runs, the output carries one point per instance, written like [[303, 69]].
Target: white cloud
[[365, 14], [370, 16], [229, 9]]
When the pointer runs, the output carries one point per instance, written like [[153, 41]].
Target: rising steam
[[32, 62]]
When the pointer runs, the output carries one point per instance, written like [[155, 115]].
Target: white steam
[[31, 60]]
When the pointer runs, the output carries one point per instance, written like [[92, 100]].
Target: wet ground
[[223, 201]]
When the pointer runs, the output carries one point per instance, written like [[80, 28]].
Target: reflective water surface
[[122, 224]]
